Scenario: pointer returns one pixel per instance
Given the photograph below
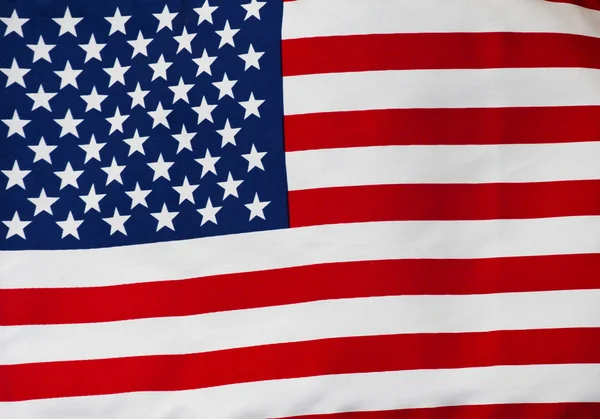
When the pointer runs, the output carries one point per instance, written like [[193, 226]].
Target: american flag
[[344, 209]]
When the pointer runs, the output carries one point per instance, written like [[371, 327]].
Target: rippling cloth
[[335, 209]]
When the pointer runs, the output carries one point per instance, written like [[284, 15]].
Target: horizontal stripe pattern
[[298, 285], [335, 393], [310, 358], [438, 200], [303, 246], [301, 322], [374, 135]]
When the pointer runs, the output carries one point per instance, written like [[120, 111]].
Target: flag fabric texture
[[342, 209]]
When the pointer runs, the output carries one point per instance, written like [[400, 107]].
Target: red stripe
[[589, 4], [337, 54], [442, 126], [298, 285], [302, 359], [492, 411], [444, 202]]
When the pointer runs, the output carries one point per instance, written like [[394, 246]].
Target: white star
[[230, 186], [251, 58], [160, 116], [256, 208], [68, 124], [42, 151], [136, 143], [92, 149], [92, 49], [160, 68], [92, 200], [16, 227], [117, 22], [67, 23], [41, 99], [94, 100], [117, 222], [204, 111], [70, 226], [180, 91], [14, 23], [43, 203], [254, 159], [137, 97], [69, 176], [68, 76], [225, 86], [228, 134], [208, 163], [205, 12], [251, 106], [113, 172], [165, 218], [184, 40], [227, 35], [186, 191], [140, 45], [138, 196], [253, 9], [184, 139], [15, 74], [161, 168], [204, 63], [117, 73], [41, 50], [165, 19], [116, 121], [16, 125], [15, 176], [209, 213]]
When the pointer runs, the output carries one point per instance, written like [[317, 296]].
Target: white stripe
[[311, 18], [442, 164], [401, 89], [301, 322], [333, 394], [299, 247]]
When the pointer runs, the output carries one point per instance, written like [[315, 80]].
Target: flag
[[313, 208]]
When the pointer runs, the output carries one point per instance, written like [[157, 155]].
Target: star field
[[122, 124]]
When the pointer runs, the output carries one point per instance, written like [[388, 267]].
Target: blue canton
[[126, 122]]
